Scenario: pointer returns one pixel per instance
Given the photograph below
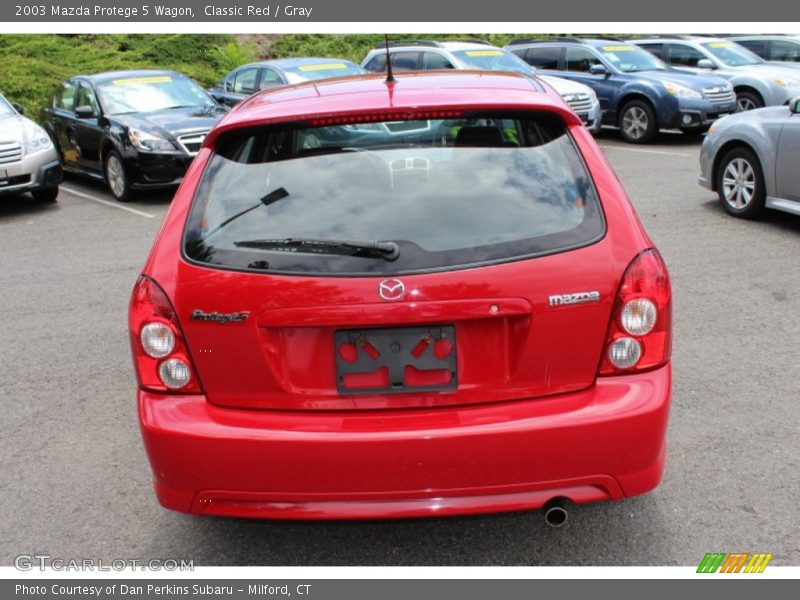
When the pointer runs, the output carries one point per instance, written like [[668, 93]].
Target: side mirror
[[598, 69], [18, 107], [84, 112], [794, 106], [704, 63]]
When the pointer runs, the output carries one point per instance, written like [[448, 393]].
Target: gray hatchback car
[[751, 160]]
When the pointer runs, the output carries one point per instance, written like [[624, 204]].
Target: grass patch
[[34, 65]]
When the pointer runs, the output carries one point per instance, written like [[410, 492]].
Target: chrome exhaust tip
[[555, 513]]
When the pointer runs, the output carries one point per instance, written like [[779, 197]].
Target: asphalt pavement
[[76, 483]]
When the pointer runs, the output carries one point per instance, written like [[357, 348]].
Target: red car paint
[[539, 411]]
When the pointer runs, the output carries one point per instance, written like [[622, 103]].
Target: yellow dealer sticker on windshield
[[484, 53], [720, 45], [140, 80], [324, 67], [618, 48]]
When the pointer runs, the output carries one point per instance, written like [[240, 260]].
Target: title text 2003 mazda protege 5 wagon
[[428, 296]]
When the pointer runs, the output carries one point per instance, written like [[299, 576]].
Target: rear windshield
[[443, 194]]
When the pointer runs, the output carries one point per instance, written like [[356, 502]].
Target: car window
[[631, 59], [493, 59], [5, 108], [245, 82], [322, 70], [432, 61], [132, 94], [785, 51], [581, 60], [86, 97], [683, 55], [756, 46], [65, 96], [377, 64], [228, 85], [270, 78], [654, 49], [449, 192], [405, 61], [544, 58], [731, 54]]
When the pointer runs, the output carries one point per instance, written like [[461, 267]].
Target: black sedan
[[135, 130]]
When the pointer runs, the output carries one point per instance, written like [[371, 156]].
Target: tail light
[[162, 360], [640, 334]]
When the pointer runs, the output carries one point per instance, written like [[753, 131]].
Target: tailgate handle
[[380, 313]]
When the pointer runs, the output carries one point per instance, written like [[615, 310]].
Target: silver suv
[[28, 160], [479, 55], [757, 83]]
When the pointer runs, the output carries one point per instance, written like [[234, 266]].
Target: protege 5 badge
[[234, 317], [578, 298]]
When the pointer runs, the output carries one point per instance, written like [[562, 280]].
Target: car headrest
[[479, 136]]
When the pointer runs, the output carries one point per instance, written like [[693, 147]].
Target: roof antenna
[[389, 73]]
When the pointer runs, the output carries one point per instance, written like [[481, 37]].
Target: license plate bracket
[[396, 360]]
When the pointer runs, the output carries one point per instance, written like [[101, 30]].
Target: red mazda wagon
[[428, 296]]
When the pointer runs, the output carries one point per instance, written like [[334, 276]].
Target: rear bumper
[[604, 443]]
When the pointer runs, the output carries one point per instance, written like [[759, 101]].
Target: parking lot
[[77, 483]]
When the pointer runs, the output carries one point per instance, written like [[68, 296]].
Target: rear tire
[[747, 100], [637, 122], [48, 195], [740, 184], [117, 177]]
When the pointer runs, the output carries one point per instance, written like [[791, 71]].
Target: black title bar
[[330, 11]]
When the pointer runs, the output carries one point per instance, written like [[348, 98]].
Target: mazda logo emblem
[[391, 289]]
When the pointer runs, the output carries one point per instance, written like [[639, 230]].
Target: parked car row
[[478, 55], [138, 130]]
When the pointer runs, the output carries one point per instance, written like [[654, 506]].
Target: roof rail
[[561, 38], [519, 41], [427, 43], [670, 36], [471, 41]]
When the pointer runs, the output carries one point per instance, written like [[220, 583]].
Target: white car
[[28, 159], [430, 55]]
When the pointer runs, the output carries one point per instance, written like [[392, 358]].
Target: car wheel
[[740, 184], [637, 122], [748, 101], [116, 177], [47, 195]]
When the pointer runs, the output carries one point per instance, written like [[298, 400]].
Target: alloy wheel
[[738, 183], [116, 176], [635, 122], [745, 103]]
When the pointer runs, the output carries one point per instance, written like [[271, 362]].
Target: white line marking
[[141, 213], [665, 152]]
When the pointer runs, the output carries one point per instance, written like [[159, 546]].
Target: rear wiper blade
[[372, 249], [274, 196]]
